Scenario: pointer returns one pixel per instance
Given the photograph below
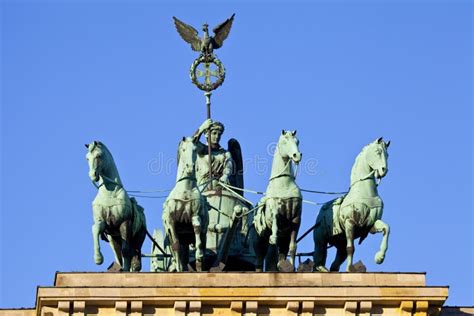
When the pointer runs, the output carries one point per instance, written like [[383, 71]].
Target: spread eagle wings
[[188, 33], [222, 31]]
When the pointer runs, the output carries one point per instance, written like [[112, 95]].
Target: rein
[[192, 178], [282, 174], [367, 177], [108, 179]]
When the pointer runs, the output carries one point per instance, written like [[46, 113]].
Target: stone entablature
[[238, 293]]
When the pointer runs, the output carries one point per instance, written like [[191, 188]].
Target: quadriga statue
[[118, 218], [356, 214]]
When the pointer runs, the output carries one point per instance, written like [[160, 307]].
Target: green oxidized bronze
[[207, 73], [217, 169], [278, 216], [206, 45], [118, 218], [185, 215], [356, 214], [208, 223]]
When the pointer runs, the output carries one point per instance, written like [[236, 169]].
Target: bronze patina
[[206, 45], [118, 219], [208, 222], [355, 214]]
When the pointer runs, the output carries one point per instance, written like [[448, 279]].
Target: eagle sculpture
[[206, 44]]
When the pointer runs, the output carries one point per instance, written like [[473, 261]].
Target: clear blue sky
[[341, 73]]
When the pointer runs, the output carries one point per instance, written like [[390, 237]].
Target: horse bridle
[[108, 179], [282, 174], [192, 178], [367, 177]]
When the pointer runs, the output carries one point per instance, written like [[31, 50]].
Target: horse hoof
[[321, 269], [99, 259], [136, 268], [285, 266], [273, 240], [198, 266], [379, 258]]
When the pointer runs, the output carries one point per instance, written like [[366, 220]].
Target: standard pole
[[209, 151]]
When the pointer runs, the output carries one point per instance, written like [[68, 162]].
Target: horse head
[[95, 158], [288, 146], [186, 157], [377, 157]]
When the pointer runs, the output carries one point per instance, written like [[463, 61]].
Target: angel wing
[[188, 33], [237, 178], [222, 31]]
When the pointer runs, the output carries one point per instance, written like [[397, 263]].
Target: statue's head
[[216, 131], [377, 157], [288, 146]]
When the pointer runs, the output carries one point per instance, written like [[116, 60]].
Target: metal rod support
[[208, 94]]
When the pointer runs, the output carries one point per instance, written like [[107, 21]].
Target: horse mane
[[178, 155], [179, 146], [107, 151], [108, 159], [358, 159]]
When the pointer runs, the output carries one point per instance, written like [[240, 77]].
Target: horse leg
[[175, 246], [271, 258], [320, 250], [294, 232], [261, 247], [184, 256], [116, 248], [292, 250], [98, 229], [380, 226], [169, 223], [125, 233], [283, 248], [137, 242], [273, 213], [196, 220], [341, 256], [204, 227], [244, 230], [349, 230]]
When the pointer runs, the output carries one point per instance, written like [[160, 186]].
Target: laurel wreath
[[202, 59]]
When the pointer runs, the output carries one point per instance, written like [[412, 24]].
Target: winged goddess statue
[[206, 44]]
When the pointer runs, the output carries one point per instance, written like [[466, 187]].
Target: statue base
[[238, 293]]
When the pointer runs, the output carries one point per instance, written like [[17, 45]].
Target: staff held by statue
[[213, 67]]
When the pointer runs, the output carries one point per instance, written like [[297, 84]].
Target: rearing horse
[[278, 219], [117, 218], [185, 215], [356, 214]]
